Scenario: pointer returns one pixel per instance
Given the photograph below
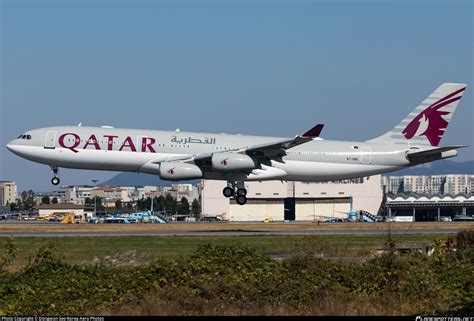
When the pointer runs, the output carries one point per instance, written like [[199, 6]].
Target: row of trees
[[26, 202], [167, 204]]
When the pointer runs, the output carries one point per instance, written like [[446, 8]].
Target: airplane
[[176, 155]]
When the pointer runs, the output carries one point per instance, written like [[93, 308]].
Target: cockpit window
[[24, 137], [28, 137]]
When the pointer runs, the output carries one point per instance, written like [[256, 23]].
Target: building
[[437, 184], [393, 184], [8, 192], [110, 195], [457, 184], [182, 187], [280, 200], [416, 184], [47, 210], [429, 207], [75, 194]]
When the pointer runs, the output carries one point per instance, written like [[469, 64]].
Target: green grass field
[[143, 249], [229, 275]]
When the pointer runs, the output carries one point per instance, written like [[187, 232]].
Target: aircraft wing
[[279, 147], [263, 150]]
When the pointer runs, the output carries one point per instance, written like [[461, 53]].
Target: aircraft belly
[[318, 171], [86, 159]]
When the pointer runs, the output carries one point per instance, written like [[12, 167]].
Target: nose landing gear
[[236, 190], [55, 180]]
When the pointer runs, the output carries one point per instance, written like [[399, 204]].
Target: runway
[[227, 229]]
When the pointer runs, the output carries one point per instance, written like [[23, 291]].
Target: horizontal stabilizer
[[433, 154]]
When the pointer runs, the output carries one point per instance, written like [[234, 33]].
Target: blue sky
[[256, 67]]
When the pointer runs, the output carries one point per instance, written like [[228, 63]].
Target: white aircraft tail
[[427, 123]]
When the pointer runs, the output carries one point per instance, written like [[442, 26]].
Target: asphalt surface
[[230, 232]]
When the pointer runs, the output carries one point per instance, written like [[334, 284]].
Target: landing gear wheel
[[241, 200], [228, 191], [242, 192], [55, 181]]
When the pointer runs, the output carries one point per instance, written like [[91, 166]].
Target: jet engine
[[174, 171], [227, 162]]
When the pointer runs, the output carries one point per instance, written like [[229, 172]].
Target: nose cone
[[11, 146]]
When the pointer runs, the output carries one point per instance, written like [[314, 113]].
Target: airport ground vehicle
[[463, 219], [333, 220], [268, 220], [116, 220], [400, 219]]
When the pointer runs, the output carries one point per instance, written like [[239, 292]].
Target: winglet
[[314, 132]]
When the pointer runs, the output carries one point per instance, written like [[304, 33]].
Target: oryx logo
[[171, 172], [430, 122], [224, 162]]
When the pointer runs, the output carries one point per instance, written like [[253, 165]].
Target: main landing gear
[[55, 180], [236, 190]]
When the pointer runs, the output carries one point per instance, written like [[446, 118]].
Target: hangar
[[423, 207], [294, 201]]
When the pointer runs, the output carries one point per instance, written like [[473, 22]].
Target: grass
[[143, 249], [228, 275]]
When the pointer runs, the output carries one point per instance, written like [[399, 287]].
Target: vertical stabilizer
[[427, 124]]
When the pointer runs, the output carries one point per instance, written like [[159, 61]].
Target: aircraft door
[[366, 157], [50, 140]]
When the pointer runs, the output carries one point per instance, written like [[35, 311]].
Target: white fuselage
[[129, 150]]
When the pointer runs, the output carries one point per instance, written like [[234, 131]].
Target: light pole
[[152, 199], [95, 197]]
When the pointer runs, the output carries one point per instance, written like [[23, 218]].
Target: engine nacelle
[[227, 162], [174, 171]]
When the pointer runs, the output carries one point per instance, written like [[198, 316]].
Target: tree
[[88, 201], [14, 207], [169, 200], [118, 204], [171, 204], [183, 207], [54, 200], [45, 200], [98, 201], [143, 204], [161, 201], [196, 207], [27, 200]]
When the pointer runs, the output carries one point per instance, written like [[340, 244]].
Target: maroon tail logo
[[430, 122]]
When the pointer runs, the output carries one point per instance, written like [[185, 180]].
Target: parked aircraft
[[238, 158]]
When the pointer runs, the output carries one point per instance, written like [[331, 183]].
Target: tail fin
[[428, 122]]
